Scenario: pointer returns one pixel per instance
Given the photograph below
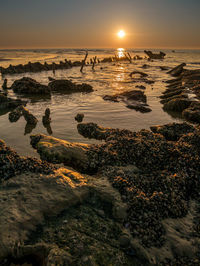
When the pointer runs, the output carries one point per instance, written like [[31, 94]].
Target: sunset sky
[[90, 23]]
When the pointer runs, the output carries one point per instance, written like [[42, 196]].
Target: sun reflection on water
[[120, 52]]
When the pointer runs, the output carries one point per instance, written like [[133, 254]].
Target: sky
[[95, 23]]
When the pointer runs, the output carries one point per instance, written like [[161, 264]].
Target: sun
[[121, 34]]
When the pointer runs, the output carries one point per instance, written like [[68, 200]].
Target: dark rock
[[176, 71], [173, 131], [9, 103], [46, 119], [140, 87], [134, 99], [142, 74], [30, 118], [177, 104], [30, 86], [151, 55], [15, 115], [192, 113], [66, 86], [4, 86], [79, 117]]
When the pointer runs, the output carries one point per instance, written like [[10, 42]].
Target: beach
[[100, 167]]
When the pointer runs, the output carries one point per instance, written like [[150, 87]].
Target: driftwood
[[83, 62], [151, 55]]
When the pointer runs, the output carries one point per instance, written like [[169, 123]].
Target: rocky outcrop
[[30, 86], [134, 99], [48, 216], [66, 86], [150, 171]]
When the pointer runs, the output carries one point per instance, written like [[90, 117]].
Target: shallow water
[[108, 78]]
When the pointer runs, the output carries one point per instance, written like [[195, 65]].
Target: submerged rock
[[28, 85], [134, 99], [66, 86], [10, 103]]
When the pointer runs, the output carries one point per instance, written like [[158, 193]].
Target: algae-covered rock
[[177, 104], [57, 150], [28, 85], [173, 131], [192, 113], [67, 86]]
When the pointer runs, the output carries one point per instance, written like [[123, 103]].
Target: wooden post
[[94, 62], [127, 55], [83, 61]]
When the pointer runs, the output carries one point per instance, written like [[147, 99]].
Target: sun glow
[[121, 34]]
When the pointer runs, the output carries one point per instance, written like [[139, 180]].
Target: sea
[[106, 79]]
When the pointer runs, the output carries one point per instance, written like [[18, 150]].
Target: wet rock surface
[[67, 86], [158, 179], [140, 203], [28, 85], [135, 99], [183, 93]]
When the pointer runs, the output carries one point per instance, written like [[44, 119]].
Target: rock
[[151, 55], [79, 117], [164, 68], [177, 104], [57, 150], [139, 107], [4, 86], [54, 193], [92, 130], [30, 118], [176, 71], [142, 74], [10, 103], [173, 131], [140, 87], [15, 115], [30, 86], [46, 119], [66, 86], [134, 99], [192, 113]]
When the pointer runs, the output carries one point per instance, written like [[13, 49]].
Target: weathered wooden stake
[[83, 61], [94, 62]]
